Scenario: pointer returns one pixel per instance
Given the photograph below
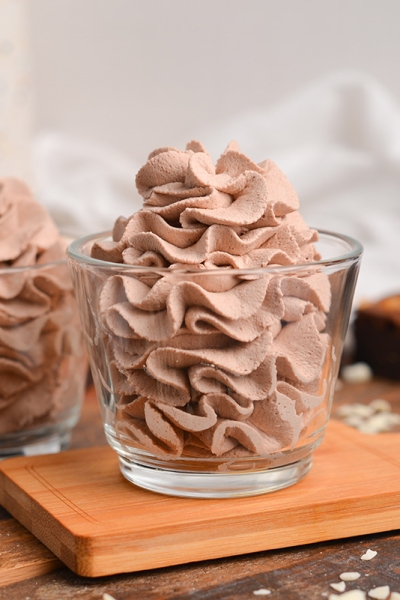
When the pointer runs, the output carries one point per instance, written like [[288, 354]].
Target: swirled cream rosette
[[40, 335], [211, 353]]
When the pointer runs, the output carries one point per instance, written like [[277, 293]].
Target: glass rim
[[355, 250], [35, 267]]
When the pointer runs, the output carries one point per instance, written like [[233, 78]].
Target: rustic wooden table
[[29, 571]]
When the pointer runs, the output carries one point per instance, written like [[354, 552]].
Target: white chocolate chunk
[[351, 410], [394, 418], [363, 410], [369, 554], [354, 421], [372, 418], [380, 593], [107, 596], [381, 421], [351, 595], [379, 404], [357, 373], [338, 385], [339, 587], [262, 592], [346, 410], [349, 576], [395, 596]]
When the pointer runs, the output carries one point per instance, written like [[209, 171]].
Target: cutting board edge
[[82, 554], [82, 550], [89, 565]]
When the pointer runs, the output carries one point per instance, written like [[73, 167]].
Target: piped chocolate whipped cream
[[40, 339], [208, 360]]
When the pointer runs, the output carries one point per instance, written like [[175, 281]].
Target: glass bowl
[[43, 360], [215, 383]]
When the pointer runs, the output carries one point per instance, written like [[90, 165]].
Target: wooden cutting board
[[79, 505]]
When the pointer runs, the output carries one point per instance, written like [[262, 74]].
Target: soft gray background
[[137, 74]]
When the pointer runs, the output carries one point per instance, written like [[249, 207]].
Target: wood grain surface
[[15, 565], [299, 573], [22, 555], [78, 504]]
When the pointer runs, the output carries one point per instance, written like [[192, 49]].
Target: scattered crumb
[[375, 417], [363, 410], [380, 593], [356, 409], [345, 410], [357, 373], [339, 587], [351, 595], [395, 418], [262, 592], [369, 554], [382, 421], [349, 576], [380, 404], [338, 385], [354, 421]]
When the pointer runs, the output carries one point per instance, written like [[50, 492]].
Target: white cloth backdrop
[[337, 140]]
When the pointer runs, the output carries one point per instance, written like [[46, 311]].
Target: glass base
[[46, 439], [192, 484], [50, 445]]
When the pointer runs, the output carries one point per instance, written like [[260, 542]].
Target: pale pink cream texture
[[40, 339], [214, 363]]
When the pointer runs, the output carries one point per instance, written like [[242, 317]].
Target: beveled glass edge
[[74, 253], [35, 267]]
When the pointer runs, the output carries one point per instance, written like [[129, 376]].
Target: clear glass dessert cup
[[43, 359], [216, 383]]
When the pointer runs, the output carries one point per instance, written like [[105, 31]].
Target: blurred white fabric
[[337, 140], [16, 89], [84, 186]]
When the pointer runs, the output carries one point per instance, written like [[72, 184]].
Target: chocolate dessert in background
[[377, 336]]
